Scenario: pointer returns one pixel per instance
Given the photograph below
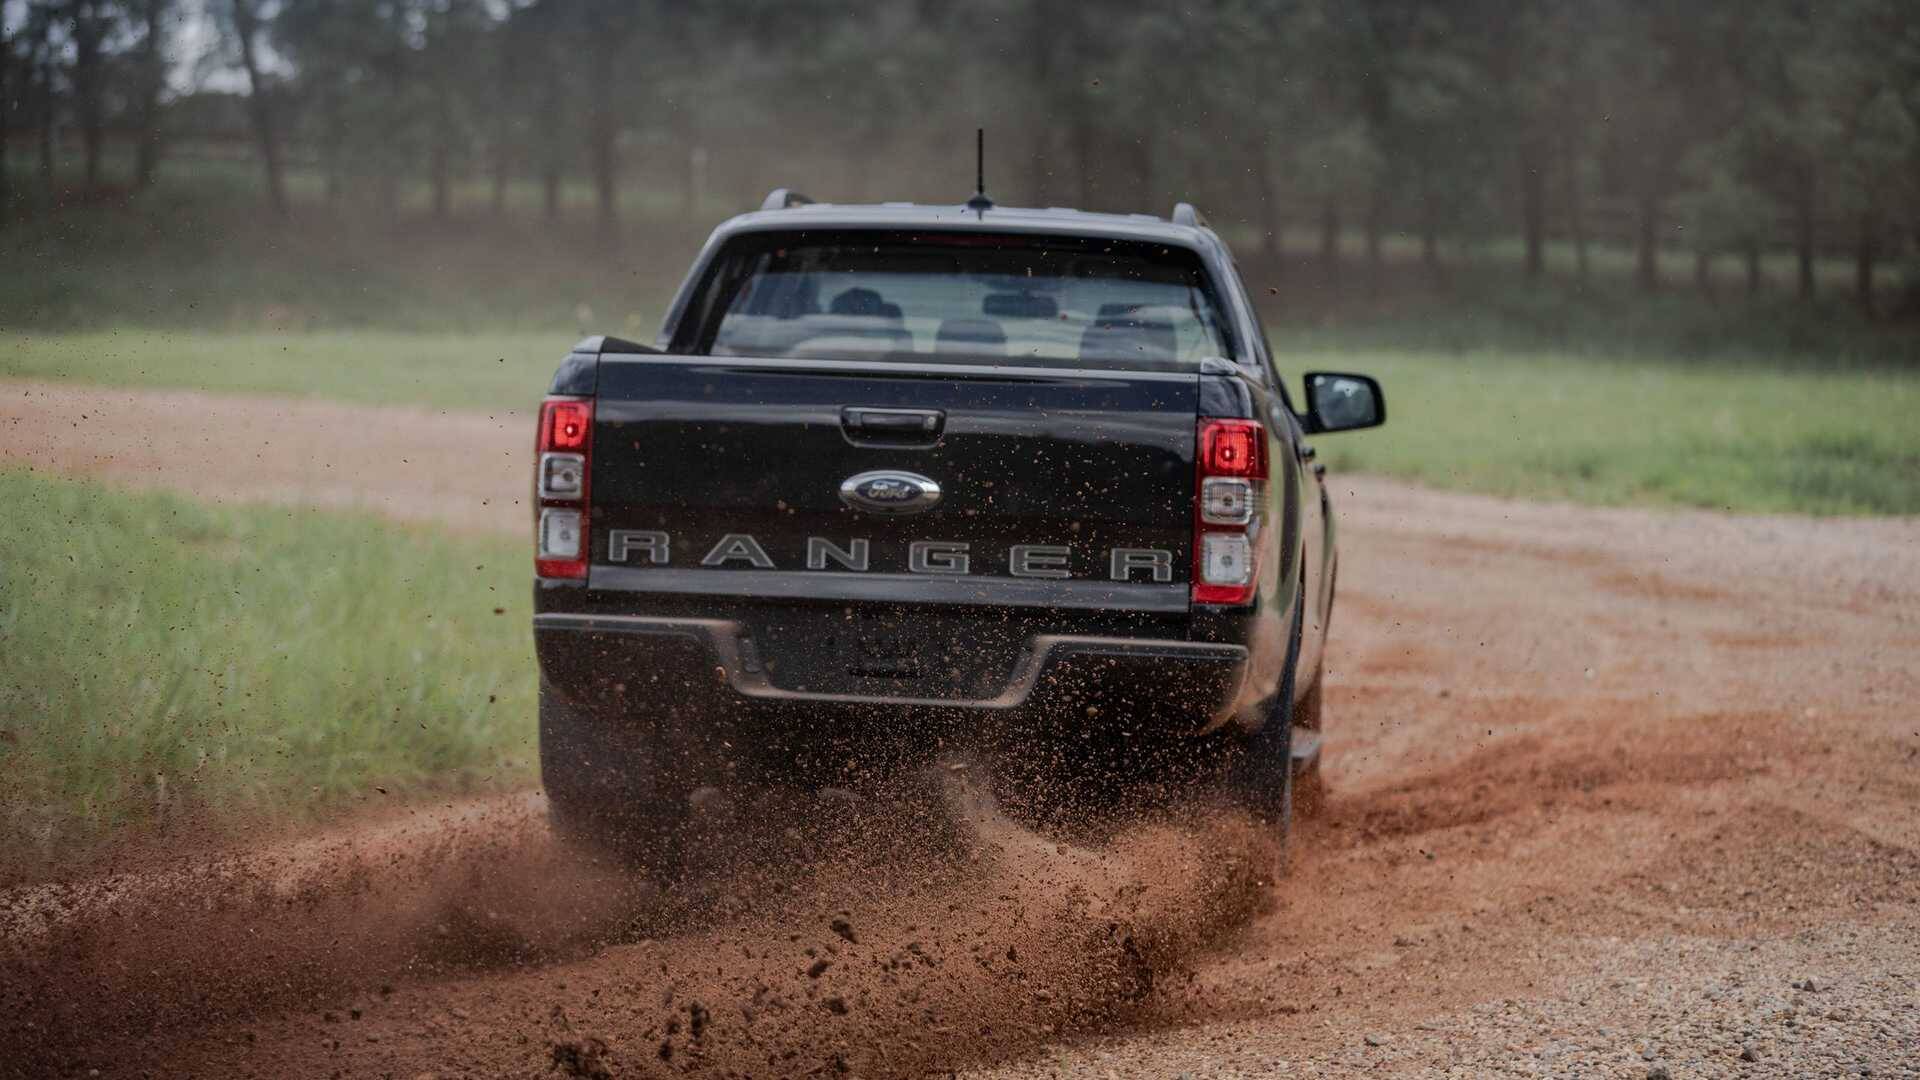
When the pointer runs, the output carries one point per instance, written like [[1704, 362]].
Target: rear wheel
[[1260, 775], [611, 787], [1309, 787]]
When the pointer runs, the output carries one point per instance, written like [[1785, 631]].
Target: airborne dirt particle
[[584, 1058]]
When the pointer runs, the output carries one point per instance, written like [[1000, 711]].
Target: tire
[[1309, 786], [1259, 777], [610, 788]]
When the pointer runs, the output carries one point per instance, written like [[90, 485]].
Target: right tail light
[[1228, 510]]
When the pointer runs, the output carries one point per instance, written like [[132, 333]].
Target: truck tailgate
[[1064, 497]]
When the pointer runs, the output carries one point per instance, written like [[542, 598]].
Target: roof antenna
[[980, 204]]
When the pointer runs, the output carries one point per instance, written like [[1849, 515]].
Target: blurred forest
[[1701, 142]]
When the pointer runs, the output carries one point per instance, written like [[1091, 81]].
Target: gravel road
[[1615, 792]]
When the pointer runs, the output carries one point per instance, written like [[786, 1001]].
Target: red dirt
[[1554, 732]]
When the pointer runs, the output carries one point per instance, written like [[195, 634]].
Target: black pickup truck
[[898, 477]]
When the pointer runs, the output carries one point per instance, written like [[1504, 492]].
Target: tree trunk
[[1271, 242], [6, 128], [1429, 231], [696, 180], [246, 24], [1647, 243], [1081, 131], [546, 132], [602, 133], [1576, 215], [1143, 158], [1375, 225], [1803, 230], [332, 138], [500, 157], [441, 179], [440, 157], [1533, 209], [152, 79], [605, 171], [87, 32], [1863, 253], [1080, 136], [1330, 239], [1040, 46], [46, 132], [1753, 267]]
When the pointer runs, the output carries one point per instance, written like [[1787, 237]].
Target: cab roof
[[786, 212]]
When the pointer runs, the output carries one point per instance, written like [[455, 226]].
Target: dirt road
[[1615, 792]]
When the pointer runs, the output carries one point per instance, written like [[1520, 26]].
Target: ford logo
[[889, 491]]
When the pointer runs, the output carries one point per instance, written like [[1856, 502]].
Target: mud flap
[[1260, 777], [1304, 749]]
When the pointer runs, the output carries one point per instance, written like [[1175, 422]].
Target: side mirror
[[1338, 402]]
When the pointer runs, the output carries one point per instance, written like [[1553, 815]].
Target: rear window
[[965, 298]]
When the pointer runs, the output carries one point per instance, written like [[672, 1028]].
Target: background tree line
[[1724, 128]]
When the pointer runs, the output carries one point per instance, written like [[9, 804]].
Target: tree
[[1786, 135], [242, 25], [541, 124], [1726, 123], [6, 121], [150, 82], [454, 36], [1432, 124], [606, 29], [1544, 61], [1869, 46], [91, 21], [42, 47]]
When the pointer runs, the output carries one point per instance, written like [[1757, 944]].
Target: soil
[[1612, 792]]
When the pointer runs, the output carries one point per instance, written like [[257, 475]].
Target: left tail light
[[563, 456], [1229, 500]]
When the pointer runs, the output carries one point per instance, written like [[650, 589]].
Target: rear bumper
[[623, 662]]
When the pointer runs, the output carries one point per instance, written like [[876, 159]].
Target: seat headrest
[[1123, 337], [981, 337], [861, 301]]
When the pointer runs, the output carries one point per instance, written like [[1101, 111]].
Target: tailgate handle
[[893, 425]]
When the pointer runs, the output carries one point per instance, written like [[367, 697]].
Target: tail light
[[564, 449], [1229, 496]]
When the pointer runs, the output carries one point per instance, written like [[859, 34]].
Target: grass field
[[159, 656], [474, 372], [1722, 436]]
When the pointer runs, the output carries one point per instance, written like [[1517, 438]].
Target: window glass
[[961, 298]]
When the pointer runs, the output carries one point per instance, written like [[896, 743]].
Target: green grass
[[477, 372], [158, 655], [1727, 436]]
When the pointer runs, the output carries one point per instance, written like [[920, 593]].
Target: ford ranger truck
[[897, 478]]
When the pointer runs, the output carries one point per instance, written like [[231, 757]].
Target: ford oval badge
[[889, 491]]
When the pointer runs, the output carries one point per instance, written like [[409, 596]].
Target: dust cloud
[[907, 927]]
